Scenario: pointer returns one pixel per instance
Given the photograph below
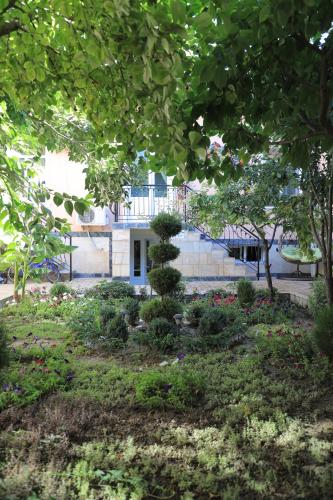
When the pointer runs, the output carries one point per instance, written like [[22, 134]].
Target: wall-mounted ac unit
[[94, 216]]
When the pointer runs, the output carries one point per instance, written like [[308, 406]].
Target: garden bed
[[201, 419]]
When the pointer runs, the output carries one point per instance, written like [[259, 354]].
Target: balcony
[[143, 203]]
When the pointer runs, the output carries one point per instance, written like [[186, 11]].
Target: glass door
[[140, 261]]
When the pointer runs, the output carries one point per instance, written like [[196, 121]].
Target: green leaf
[[69, 207], [58, 199], [203, 21], [195, 138], [80, 207], [264, 13], [178, 11]]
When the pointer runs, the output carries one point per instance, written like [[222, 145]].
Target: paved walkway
[[299, 290]]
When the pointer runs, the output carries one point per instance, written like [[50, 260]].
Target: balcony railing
[[143, 203]]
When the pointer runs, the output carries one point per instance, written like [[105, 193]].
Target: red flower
[[39, 361]]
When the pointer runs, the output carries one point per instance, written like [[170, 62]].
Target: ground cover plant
[[236, 412]]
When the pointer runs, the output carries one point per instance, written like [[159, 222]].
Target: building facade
[[114, 241]]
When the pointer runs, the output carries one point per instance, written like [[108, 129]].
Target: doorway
[[140, 261]]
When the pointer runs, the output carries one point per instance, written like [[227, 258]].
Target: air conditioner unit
[[94, 216]]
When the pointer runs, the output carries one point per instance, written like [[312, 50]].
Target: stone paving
[[299, 290]]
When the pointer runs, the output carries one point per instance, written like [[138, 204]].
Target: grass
[[254, 421]]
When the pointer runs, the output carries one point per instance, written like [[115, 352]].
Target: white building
[[113, 242]]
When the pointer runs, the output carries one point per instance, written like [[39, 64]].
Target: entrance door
[[140, 261]]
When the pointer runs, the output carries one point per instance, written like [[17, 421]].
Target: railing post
[[258, 260], [70, 261]]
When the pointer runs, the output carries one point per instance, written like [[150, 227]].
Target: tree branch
[[7, 28], [324, 95], [301, 38]]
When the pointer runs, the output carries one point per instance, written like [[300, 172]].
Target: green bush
[[157, 308], [164, 280], [131, 308], [106, 314], [318, 297], [212, 322], [84, 320], [4, 358], [323, 331], [166, 225], [179, 291], [195, 310], [245, 292], [174, 388], [117, 329], [163, 252], [59, 289], [111, 290], [162, 334]]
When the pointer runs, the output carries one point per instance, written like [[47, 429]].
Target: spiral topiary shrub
[[166, 225], [163, 252], [164, 280]]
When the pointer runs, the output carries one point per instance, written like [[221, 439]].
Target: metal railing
[[64, 261], [143, 203]]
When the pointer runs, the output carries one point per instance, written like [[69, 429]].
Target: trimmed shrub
[[195, 311], [179, 291], [164, 280], [131, 308], [106, 314], [59, 289], [162, 334], [175, 389], [166, 225], [163, 252], [318, 297], [212, 322], [106, 290], [245, 292], [117, 329], [323, 331], [4, 357], [157, 308]]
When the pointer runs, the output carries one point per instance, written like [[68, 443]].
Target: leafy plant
[[245, 292], [117, 329], [195, 310], [162, 334], [111, 290], [318, 297], [58, 289], [157, 308], [84, 320], [212, 322], [131, 308], [174, 388], [323, 331], [106, 314], [4, 358]]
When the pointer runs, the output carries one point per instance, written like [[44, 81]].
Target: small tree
[[164, 279]]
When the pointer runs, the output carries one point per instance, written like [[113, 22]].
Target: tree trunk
[[16, 282], [268, 269]]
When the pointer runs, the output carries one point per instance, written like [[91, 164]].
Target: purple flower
[[18, 389], [69, 377], [6, 387], [167, 387], [180, 356], [269, 334]]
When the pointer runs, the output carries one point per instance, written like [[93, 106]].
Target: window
[[160, 186], [148, 261], [245, 253], [140, 191], [137, 258]]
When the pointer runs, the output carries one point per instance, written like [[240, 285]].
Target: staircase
[[204, 258]]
